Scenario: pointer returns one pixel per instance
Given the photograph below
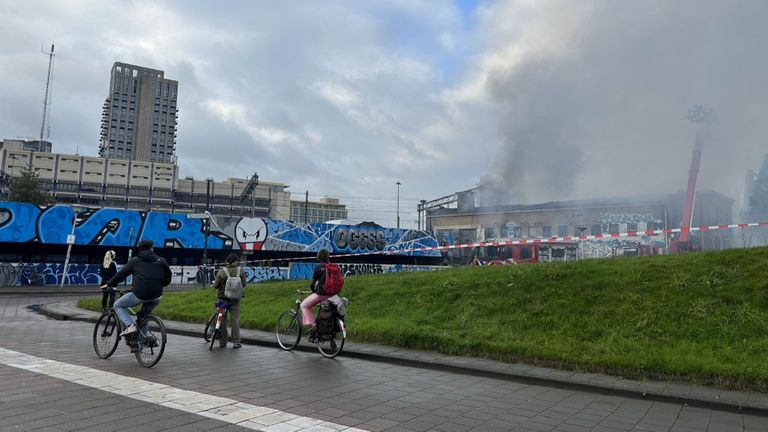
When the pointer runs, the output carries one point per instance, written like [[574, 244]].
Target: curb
[[671, 392]]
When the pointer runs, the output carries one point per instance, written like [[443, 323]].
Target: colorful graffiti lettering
[[626, 218], [262, 274], [22, 223], [304, 270], [617, 247], [32, 274]]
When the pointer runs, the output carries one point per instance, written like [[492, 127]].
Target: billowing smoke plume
[[592, 96]]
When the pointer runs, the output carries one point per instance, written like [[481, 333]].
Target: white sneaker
[[131, 329]]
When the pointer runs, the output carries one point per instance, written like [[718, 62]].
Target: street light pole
[[70, 242], [207, 220], [422, 214], [130, 250], [398, 204]]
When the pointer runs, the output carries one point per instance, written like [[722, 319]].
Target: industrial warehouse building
[[464, 217]]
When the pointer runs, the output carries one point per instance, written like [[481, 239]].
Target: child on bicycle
[[232, 270], [318, 295]]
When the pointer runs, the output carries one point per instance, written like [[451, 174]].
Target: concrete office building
[[26, 144], [101, 182], [317, 211], [139, 116]]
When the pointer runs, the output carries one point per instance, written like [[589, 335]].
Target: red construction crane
[[697, 114]]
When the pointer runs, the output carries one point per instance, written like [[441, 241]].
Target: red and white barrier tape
[[531, 241]]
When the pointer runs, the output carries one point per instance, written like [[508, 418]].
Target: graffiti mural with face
[[250, 233]]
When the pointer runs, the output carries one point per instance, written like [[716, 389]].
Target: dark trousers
[[234, 313], [107, 293]]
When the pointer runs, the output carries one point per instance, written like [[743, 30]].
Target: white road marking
[[227, 410]]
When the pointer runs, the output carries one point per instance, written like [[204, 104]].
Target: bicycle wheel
[[150, 346], [216, 335], [210, 326], [288, 330], [106, 335], [331, 344]]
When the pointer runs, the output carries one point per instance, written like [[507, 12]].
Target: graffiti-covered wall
[[302, 270], [37, 274], [22, 223], [33, 274]]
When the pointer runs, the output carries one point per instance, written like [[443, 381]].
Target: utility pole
[[130, 250], [306, 205], [398, 204], [422, 211], [70, 242], [207, 222], [46, 102]]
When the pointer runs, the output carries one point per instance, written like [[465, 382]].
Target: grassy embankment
[[694, 317]]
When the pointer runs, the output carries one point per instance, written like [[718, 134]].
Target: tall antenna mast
[[47, 92]]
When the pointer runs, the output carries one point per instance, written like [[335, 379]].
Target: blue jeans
[[130, 300]]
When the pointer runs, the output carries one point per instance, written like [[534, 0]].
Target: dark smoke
[[606, 114]]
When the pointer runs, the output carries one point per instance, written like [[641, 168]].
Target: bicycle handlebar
[[122, 292]]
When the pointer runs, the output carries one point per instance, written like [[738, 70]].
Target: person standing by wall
[[108, 270]]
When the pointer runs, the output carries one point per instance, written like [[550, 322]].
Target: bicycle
[[331, 331], [213, 326], [147, 344]]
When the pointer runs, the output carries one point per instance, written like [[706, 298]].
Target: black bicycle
[[331, 330], [147, 344], [213, 325]]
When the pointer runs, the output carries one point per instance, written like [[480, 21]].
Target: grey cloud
[[265, 59], [608, 117]]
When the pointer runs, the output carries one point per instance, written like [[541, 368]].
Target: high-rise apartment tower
[[139, 116]]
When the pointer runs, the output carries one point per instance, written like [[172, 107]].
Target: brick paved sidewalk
[[690, 394]]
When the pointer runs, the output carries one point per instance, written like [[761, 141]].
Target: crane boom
[[690, 194]]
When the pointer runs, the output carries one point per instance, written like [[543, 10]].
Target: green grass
[[693, 317]]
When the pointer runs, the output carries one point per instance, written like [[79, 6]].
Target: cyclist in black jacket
[[150, 274]]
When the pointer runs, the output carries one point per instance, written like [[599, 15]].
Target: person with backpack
[[230, 281], [327, 281]]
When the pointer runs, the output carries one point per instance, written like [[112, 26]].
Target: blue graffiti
[[301, 270], [305, 270], [176, 230], [15, 222], [111, 228], [261, 274], [52, 274], [21, 223]]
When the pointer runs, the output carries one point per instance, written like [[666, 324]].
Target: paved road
[[51, 380]]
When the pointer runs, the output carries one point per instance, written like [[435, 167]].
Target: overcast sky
[[548, 99]]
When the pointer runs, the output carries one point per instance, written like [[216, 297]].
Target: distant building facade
[[317, 211], [139, 117], [28, 145], [464, 218], [131, 184]]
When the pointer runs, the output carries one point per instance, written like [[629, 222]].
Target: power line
[[393, 198]]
